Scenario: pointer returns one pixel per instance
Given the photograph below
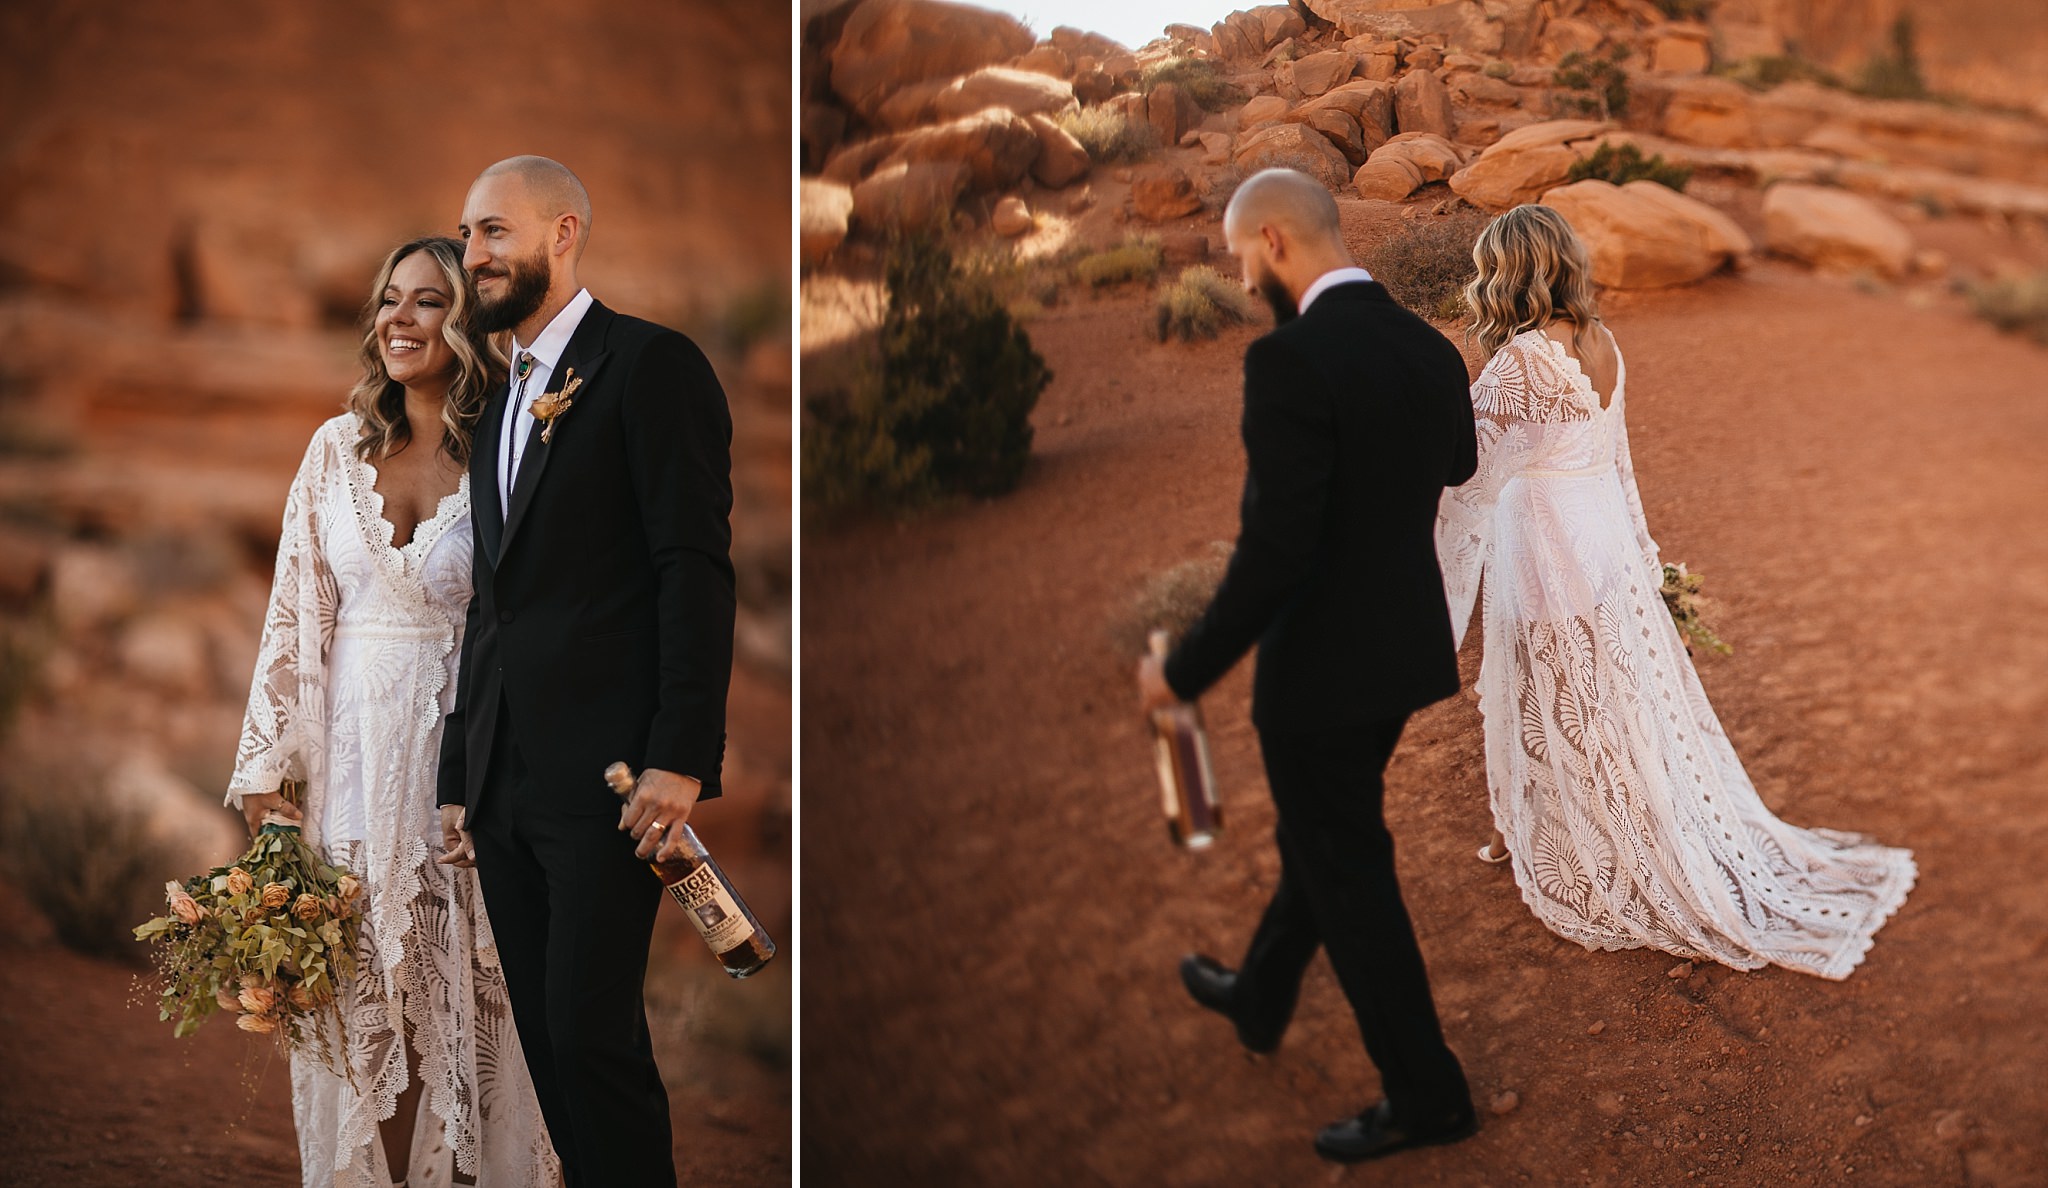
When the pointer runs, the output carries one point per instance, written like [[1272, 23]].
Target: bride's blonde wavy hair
[[1533, 270], [379, 400]]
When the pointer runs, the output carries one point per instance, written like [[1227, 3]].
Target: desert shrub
[[945, 406], [1199, 303], [1136, 258], [2015, 304], [1427, 266], [1895, 74], [1597, 85], [1108, 135], [83, 862], [1624, 163], [1171, 599], [1764, 72], [755, 314], [1502, 71], [1197, 78]]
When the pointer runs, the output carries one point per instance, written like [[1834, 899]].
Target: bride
[[353, 678], [1627, 816]]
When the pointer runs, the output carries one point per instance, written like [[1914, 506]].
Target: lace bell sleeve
[[1464, 523], [1625, 463], [286, 719]]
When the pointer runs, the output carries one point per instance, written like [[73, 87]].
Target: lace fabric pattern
[[353, 677], [1628, 814]]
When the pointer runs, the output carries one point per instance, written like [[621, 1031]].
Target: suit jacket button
[[504, 616]]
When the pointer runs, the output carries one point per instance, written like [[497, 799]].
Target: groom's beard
[[526, 287], [1277, 296]]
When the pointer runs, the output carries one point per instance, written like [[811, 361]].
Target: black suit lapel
[[580, 360], [483, 475]]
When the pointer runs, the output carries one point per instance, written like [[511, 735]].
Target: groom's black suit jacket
[[602, 618], [1357, 415]]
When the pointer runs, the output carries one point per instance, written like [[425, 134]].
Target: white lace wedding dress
[[355, 673], [1628, 815]]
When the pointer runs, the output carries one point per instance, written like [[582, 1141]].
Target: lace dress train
[[1629, 817]]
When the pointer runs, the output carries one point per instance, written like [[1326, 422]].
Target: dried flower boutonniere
[[549, 406]]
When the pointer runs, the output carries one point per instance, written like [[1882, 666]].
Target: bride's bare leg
[[1497, 848]]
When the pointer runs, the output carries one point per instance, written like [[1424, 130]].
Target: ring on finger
[[656, 825]]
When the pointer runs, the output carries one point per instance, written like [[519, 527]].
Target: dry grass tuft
[[1199, 304]]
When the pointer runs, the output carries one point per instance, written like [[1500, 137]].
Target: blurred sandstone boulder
[[908, 194], [886, 45], [1011, 217], [1469, 26], [1408, 161], [1681, 48], [1835, 230], [1248, 34], [1163, 192], [92, 587], [1171, 112], [1522, 165], [1293, 146], [1645, 235], [1422, 104], [1021, 91], [1061, 159], [824, 213], [1309, 76], [996, 145]]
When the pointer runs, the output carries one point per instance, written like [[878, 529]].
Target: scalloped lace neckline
[[1578, 370]]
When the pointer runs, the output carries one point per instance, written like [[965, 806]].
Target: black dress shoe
[[1214, 985], [1373, 1134]]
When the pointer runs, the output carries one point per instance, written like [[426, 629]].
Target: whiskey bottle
[[1187, 778], [696, 882]]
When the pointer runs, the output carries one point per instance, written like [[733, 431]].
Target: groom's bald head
[[546, 187], [1288, 200], [1283, 228]]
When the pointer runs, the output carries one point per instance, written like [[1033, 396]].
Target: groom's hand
[[660, 804], [461, 851], [1153, 691]]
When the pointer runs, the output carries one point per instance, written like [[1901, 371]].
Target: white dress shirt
[[1330, 280], [546, 348]]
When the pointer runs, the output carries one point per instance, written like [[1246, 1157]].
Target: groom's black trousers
[[1338, 891], [573, 913]]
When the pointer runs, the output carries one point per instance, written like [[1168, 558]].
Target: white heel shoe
[[1486, 856]]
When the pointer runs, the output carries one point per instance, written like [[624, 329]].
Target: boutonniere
[[549, 407]]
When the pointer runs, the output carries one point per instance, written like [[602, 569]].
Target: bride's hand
[[257, 805], [460, 851]]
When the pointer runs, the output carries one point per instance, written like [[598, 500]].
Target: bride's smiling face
[[411, 315]]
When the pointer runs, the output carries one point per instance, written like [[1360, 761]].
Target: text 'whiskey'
[[1187, 778], [694, 879]]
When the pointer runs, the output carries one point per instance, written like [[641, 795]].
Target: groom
[[600, 630], [1356, 417]]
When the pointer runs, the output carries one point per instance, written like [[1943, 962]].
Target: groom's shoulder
[[638, 337]]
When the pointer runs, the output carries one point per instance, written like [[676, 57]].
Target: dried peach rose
[[306, 907], [258, 1000], [228, 1000], [276, 895], [260, 1024], [239, 881], [349, 886]]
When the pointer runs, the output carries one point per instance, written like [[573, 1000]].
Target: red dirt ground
[[95, 1092], [993, 911]]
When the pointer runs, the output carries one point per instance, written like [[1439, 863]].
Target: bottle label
[[712, 909]]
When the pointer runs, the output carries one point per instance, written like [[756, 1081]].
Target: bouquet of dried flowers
[[268, 939], [1688, 609]]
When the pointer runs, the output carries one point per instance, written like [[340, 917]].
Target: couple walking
[[1615, 793], [497, 576]]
